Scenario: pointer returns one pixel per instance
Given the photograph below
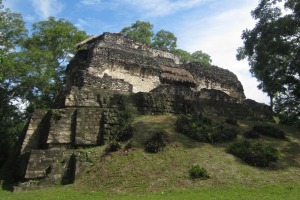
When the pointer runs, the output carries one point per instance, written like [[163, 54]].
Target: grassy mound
[[132, 173]]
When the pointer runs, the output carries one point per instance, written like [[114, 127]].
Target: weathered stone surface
[[61, 123], [54, 165], [216, 78], [113, 62], [39, 123], [112, 75], [88, 127]]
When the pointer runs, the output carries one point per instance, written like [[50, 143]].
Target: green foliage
[[251, 134], [164, 40], [139, 31], [123, 131], [156, 143], [56, 115], [255, 154], [112, 147], [142, 31], [269, 131], [199, 56], [183, 55], [47, 52], [198, 172], [12, 33], [203, 129], [231, 121], [272, 49]]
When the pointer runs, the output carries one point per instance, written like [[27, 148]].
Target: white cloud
[[219, 36], [81, 23], [90, 2], [163, 7], [47, 8]]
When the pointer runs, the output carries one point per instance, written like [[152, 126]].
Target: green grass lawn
[[272, 192], [135, 174]]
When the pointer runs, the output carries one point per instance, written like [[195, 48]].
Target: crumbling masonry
[[111, 74]]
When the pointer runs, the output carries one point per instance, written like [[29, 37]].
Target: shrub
[[112, 147], [221, 134], [203, 129], [255, 154], [197, 171], [251, 134], [56, 115], [269, 131], [231, 121], [156, 143], [123, 131]]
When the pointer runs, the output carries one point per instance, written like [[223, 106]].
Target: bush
[[203, 129], [156, 143], [231, 121], [251, 134], [197, 171], [112, 147], [123, 131], [221, 134], [255, 154], [269, 131]]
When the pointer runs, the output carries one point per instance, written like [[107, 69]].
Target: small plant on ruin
[[198, 172], [56, 115], [156, 143], [254, 153]]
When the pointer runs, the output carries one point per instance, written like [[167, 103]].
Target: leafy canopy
[[164, 40], [143, 32], [139, 31], [48, 51], [12, 33], [32, 68], [273, 51]]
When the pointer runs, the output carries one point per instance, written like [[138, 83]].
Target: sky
[[213, 26]]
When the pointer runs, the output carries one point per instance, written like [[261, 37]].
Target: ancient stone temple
[[111, 74]]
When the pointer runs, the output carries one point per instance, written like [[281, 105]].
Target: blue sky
[[213, 26]]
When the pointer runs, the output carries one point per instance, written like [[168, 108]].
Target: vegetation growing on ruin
[[132, 173]]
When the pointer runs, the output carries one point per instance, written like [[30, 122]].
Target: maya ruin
[[109, 75]]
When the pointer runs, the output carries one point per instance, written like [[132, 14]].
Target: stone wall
[[113, 75], [114, 62], [213, 77]]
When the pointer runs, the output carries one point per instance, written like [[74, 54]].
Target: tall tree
[[273, 51], [199, 56], [142, 31], [48, 50], [164, 40], [12, 33], [183, 55], [139, 31]]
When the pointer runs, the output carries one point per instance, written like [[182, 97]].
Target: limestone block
[[38, 125], [61, 124], [88, 126]]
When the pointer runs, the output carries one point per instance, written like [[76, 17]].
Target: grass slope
[[135, 174]]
